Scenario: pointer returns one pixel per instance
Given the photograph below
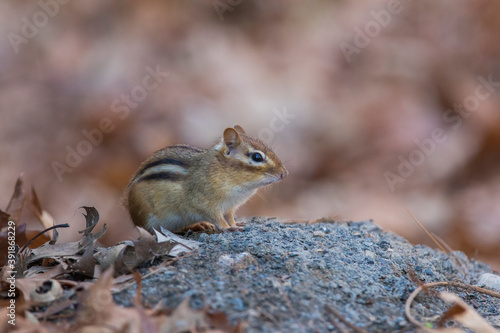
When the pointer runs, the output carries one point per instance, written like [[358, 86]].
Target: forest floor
[[266, 275]]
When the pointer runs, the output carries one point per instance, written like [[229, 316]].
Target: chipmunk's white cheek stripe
[[243, 159]]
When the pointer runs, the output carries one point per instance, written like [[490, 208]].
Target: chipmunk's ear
[[239, 129], [231, 138]]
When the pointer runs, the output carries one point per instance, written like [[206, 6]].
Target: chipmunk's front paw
[[206, 227], [232, 229]]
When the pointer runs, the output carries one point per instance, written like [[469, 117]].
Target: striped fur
[[162, 176], [164, 169]]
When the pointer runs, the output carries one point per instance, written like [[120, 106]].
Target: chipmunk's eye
[[257, 157]]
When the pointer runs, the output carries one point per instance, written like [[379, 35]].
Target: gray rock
[[289, 275], [490, 281]]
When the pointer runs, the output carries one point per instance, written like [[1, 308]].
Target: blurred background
[[374, 106]]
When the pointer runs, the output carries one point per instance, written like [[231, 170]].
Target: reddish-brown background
[[352, 119]]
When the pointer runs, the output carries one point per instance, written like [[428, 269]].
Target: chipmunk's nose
[[284, 174]]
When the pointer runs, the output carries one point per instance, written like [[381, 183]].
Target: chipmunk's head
[[255, 164]]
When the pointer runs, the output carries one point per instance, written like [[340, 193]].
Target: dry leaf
[[107, 256], [183, 319], [23, 324], [47, 292], [35, 238], [182, 245], [86, 264], [99, 310], [75, 257], [65, 250], [57, 307], [144, 245], [42, 272], [39, 291], [144, 248], [91, 219], [71, 250], [466, 315], [16, 203], [4, 219], [21, 239], [42, 215]]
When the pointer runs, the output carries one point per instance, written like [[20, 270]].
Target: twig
[[287, 300], [436, 242], [338, 315], [65, 225], [269, 316], [475, 288], [450, 250], [337, 326], [442, 283], [138, 281]]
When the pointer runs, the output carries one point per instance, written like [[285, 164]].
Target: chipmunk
[[180, 186]]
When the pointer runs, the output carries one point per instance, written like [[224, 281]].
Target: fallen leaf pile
[[68, 286]]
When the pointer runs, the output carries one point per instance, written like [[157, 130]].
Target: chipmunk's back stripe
[[162, 176], [163, 161]]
